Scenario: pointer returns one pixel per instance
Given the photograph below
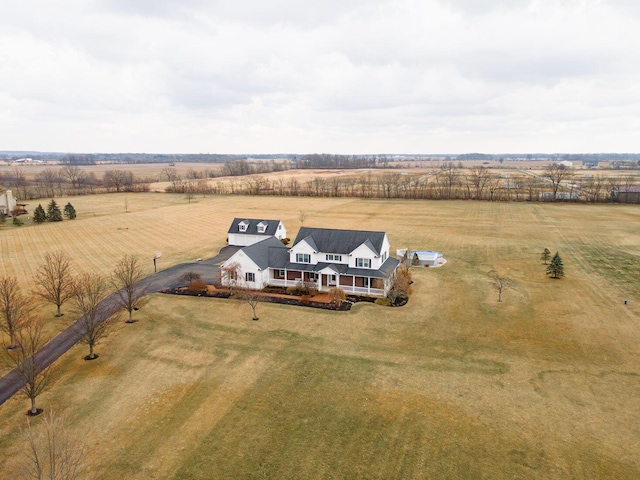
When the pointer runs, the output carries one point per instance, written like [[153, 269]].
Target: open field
[[544, 385]]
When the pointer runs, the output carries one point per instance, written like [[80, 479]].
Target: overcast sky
[[339, 76]]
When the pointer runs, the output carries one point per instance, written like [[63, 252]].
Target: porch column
[[285, 277]]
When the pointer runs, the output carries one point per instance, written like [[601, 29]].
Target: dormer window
[[242, 227], [262, 227]]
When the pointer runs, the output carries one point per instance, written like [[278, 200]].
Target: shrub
[[285, 240], [338, 296], [305, 299], [69, 211], [17, 221], [190, 276], [197, 286], [400, 286]]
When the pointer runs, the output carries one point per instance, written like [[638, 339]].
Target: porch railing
[[374, 292]]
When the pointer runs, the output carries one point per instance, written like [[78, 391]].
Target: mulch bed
[[279, 295]]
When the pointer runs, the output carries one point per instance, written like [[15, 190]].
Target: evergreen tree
[[555, 268], [69, 211], [546, 255], [53, 212], [39, 215]]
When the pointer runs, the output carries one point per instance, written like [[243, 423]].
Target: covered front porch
[[326, 280]]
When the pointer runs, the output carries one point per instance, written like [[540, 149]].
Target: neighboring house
[[356, 261], [7, 202], [244, 232]]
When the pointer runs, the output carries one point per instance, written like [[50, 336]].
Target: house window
[[334, 258], [366, 281], [262, 228], [242, 227], [281, 273], [313, 276], [232, 274], [363, 262], [250, 277], [303, 258]]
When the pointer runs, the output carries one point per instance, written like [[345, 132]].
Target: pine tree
[[53, 212], [546, 255], [555, 268], [69, 211], [38, 214]]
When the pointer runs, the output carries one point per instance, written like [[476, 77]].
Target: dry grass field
[[544, 385]]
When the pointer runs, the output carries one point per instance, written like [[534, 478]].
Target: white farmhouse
[[356, 261]]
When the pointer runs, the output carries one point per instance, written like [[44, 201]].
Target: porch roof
[[280, 261]]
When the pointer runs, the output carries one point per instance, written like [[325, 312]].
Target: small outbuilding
[[422, 258], [247, 231]]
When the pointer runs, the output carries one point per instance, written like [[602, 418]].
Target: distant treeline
[[449, 182], [316, 160]]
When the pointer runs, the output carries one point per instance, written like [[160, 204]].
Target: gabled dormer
[[262, 227], [305, 251], [243, 225]]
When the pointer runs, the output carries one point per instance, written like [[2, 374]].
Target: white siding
[[244, 240], [364, 252], [303, 247], [246, 265]]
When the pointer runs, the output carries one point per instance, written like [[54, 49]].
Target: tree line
[[71, 180], [449, 182]]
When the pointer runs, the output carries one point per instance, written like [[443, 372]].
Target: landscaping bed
[[278, 295]]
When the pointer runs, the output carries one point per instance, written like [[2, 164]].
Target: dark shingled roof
[[252, 229], [328, 240], [259, 252]]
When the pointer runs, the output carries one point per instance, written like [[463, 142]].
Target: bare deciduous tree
[[231, 275], [251, 297], [479, 177], [15, 308], [118, 180], [97, 316], [302, 216], [35, 378], [126, 279], [51, 453], [74, 174], [501, 284], [557, 173], [55, 279]]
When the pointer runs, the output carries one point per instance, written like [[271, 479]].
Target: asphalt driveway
[[209, 270]]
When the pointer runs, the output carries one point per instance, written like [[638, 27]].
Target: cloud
[[344, 76]]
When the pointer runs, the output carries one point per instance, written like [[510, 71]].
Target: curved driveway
[[169, 278]]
